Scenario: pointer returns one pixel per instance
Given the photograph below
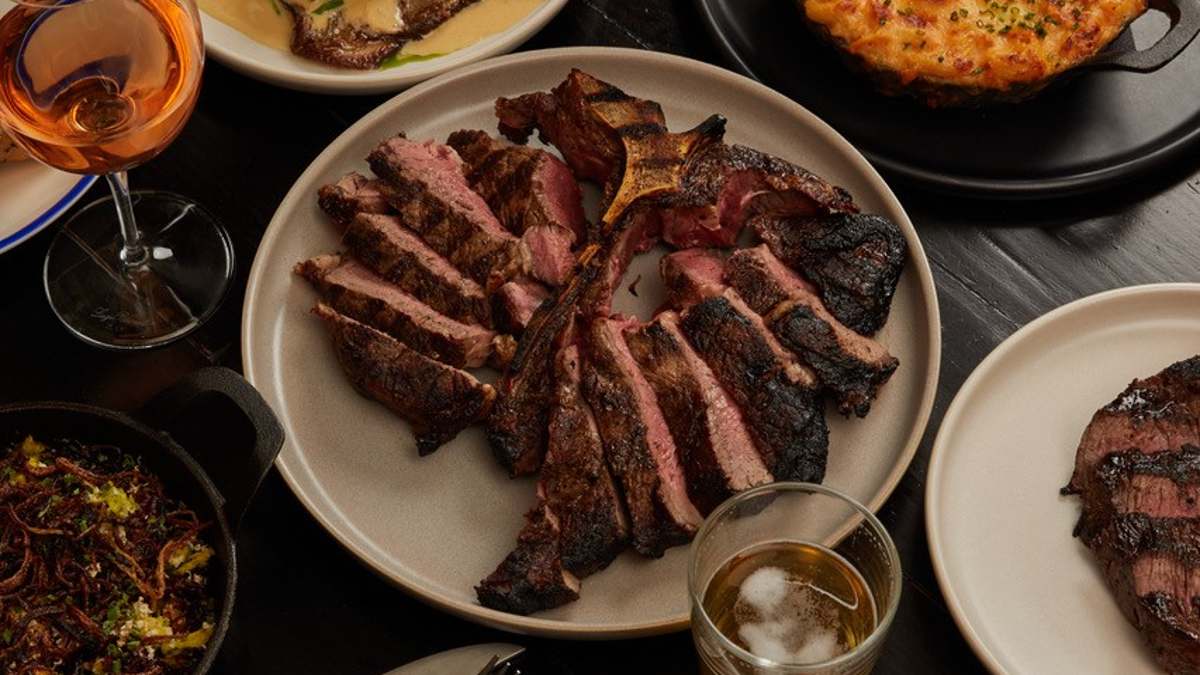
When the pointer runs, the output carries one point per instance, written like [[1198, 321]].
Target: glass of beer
[[99, 87], [792, 578]]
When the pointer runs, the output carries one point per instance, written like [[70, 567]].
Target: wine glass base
[[176, 289]]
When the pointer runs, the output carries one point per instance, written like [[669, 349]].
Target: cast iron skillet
[[214, 399], [1080, 135]]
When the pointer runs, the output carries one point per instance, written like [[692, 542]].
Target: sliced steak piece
[[725, 185], [851, 366], [780, 402], [514, 304], [390, 250], [353, 290], [575, 482], [532, 577], [714, 445], [637, 235], [533, 194], [424, 182], [691, 275], [637, 442], [437, 400], [1163, 601], [855, 260], [350, 196]]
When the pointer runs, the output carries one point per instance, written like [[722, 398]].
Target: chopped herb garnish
[[328, 6]]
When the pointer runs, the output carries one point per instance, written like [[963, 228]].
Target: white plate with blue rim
[[32, 196], [251, 36]]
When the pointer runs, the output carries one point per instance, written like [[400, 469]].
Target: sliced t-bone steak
[[855, 260], [716, 450], [532, 578], [436, 399], [359, 293], [638, 234], [350, 196], [575, 482], [514, 304], [691, 275], [1137, 471], [424, 182], [637, 442], [390, 250], [851, 366], [781, 403], [533, 194], [725, 185]]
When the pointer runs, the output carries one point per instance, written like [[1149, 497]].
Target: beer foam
[[764, 589], [782, 619]]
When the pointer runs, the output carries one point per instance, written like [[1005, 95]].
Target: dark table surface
[[307, 606]]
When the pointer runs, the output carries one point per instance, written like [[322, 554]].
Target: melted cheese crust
[[985, 44]]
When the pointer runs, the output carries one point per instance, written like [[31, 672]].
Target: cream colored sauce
[[271, 24]]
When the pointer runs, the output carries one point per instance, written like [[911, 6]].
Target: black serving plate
[[1093, 131]]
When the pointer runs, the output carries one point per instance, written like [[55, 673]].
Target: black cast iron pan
[[216, 477]]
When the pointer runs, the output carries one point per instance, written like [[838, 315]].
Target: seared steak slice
[[725, 185], [855, 260], [691, 275], [532, 193], [851, 366], [532, 577], [714, 446], [1137, 471], [575, 482], [350, 196], [637, 442], [779, 400], [424, 182], [514, 304], [638, 233], [390, 250], [436, 399], [357, 292]]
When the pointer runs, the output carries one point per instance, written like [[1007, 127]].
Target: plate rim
[[1064, 185], [352, 82], [559, 628], [933, 477], [47, 217]]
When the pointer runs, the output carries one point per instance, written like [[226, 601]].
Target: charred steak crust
[[437, 400], [785, 418], [351, 195], [854, 259], [387, 248], [425, 184], [531, 578]]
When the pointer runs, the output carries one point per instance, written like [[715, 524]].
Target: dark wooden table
[[307, 606]]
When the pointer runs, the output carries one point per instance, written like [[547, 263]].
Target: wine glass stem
[[133, 251]]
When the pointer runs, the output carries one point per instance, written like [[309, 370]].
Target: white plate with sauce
[[252, 37], [437, 525], [1030, 598]]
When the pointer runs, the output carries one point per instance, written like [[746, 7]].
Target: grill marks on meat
[[783, 411], [715, 448], [532, 577], [436, 399], [1138, 474], [424, 182], [390, 250], [533, 194], [725, 185], [855, 260], [331, 39], [851, 366], [353, 194], [637, 442], [357, 292]]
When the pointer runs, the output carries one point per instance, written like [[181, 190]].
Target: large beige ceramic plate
[[257, 60], [437, 525], [1029, 597]]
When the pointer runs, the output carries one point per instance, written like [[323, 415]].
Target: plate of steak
[[617, 424], [1102, 396]]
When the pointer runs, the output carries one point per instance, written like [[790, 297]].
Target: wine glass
[[99, 87]]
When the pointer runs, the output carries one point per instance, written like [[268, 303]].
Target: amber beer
[[98, 86]]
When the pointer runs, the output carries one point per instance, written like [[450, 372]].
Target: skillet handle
[[1185, 25], [214, 413]]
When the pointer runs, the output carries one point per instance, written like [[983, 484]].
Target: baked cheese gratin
[[962, 52]]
